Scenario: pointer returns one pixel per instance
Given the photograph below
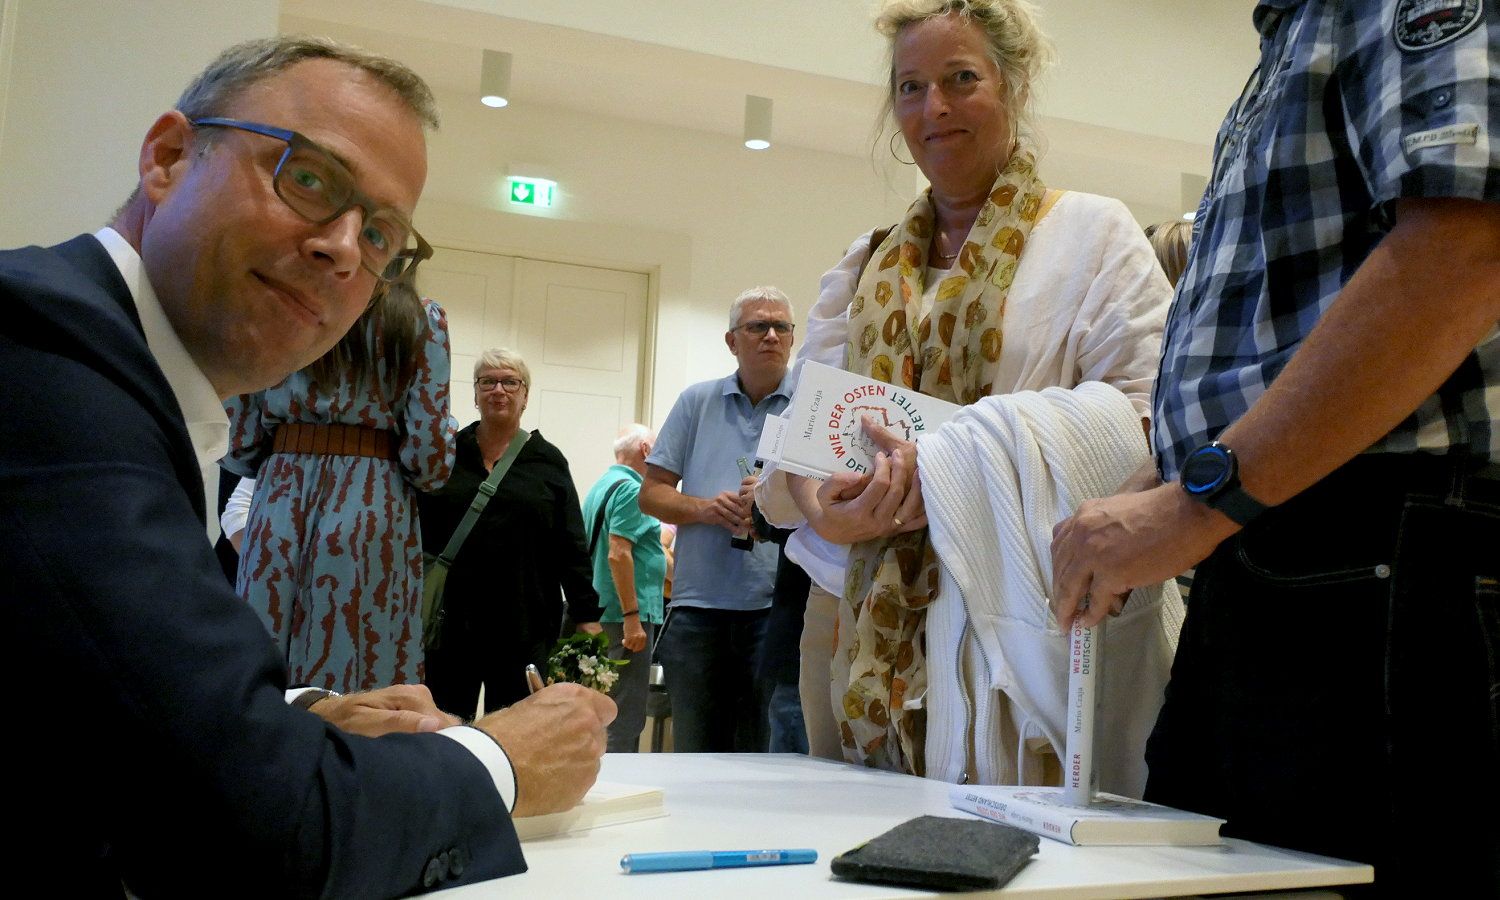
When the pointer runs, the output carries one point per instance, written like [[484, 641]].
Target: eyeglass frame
[[500, 383], [296, 140], [780, 326]]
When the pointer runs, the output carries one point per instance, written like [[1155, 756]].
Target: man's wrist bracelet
[[630, 612]]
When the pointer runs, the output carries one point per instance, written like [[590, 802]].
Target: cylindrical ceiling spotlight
[[494, 79], [757, 122]]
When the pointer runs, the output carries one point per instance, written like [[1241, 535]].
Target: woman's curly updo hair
[[1016, 44]]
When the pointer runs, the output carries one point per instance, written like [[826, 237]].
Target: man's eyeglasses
[[511, 385], [320, 189], [760, 328]]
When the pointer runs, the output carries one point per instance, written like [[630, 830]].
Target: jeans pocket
[[1487, 609], [1293, 570]]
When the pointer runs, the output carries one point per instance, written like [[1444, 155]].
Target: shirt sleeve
[[1421, 120], [249, 439], [237, 507], [427, 422], [1119, 328], [828, 320], [625, 517], [486, 749], [674, 439], [491, 755]]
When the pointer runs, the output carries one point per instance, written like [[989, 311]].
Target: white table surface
[[775, 801]]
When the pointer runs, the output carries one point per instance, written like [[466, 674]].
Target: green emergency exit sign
[[538, 192]]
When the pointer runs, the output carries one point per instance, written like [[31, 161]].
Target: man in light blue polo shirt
[[720, 595]]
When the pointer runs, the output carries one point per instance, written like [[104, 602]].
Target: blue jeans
[[630, 691], [708, 660], [788, 733], [1336, 686]]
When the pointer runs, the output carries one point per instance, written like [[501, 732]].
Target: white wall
[[638, 119], [704, 217], [1167, 68], [80, 82]]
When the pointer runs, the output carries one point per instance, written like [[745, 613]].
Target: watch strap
[[1239, 506], [1227, 495], [308, 697]]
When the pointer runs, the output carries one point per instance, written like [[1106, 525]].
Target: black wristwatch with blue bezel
[[1211, 475]]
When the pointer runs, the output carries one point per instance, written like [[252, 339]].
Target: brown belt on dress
[[335, 440]]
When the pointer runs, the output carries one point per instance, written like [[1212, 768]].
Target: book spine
[[795, 468], [771, 435], [1083, 671], [1050, 823]]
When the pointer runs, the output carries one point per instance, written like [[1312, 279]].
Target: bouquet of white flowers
[[581, 659]]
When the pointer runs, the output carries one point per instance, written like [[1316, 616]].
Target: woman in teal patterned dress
[[331, 558]]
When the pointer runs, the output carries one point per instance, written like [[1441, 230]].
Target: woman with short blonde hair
[[1170, 241], [504, 597]]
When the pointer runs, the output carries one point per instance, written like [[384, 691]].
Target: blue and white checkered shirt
[[1354, 105]]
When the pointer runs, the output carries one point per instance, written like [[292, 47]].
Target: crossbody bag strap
[[482, 497], [599, 516]]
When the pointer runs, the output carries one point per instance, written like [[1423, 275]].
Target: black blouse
[[525, 553]]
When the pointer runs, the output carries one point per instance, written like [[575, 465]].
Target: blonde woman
[[1170, 241], [503, 601], [992, 283]]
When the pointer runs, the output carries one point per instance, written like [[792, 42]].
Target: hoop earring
[[896, 156]]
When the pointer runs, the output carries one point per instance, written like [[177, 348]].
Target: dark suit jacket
[[148, 736]]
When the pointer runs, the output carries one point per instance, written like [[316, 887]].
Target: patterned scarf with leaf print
[[953, 354]]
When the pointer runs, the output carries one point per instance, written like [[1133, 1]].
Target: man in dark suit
[[271, 202]]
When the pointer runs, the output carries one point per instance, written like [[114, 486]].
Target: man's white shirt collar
[[207, 423]]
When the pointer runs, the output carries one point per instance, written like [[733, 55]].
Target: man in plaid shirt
[[1327, 433]]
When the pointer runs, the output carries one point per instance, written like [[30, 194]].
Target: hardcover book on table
[[822, 433], [1108, 820]]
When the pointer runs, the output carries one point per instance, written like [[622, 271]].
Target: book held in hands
[[821, 432], [1080, 776]]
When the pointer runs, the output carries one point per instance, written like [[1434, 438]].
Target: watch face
[[1205, 469]]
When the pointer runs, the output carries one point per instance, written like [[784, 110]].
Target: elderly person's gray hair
[[503, 358], [1016, 44], [630, 437], [764, 293]]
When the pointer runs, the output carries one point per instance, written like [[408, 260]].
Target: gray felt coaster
[[941, 853]]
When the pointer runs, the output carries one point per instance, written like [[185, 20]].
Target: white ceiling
[[1145, 76]]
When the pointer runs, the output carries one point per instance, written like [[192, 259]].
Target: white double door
[[582, 331]]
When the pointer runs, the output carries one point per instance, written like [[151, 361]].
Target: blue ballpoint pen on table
[[688, 860]]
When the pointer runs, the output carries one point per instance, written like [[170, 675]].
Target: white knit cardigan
[[995, 479]]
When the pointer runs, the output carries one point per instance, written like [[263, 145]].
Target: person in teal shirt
[[629, 569]]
